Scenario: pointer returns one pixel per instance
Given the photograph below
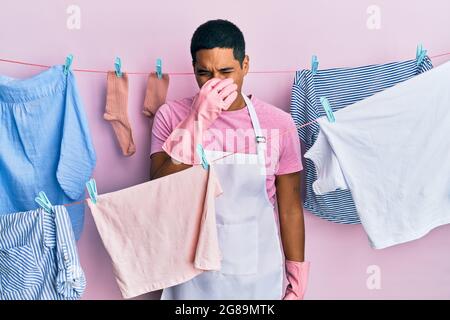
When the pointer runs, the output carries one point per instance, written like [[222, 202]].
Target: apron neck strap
[[254, 118], [260, 139]]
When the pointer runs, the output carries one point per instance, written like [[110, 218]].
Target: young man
[[259, 173]]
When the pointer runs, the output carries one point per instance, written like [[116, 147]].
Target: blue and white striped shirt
[[38, 257], [342, 87]]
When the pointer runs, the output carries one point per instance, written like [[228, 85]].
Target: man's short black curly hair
[[218, 34]]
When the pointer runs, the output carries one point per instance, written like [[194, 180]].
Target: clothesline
[[169, 73], [181, 73]]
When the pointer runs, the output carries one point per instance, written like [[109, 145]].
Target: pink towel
[[162, 232]]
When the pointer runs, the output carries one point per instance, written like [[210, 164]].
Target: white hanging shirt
[[392, 151]]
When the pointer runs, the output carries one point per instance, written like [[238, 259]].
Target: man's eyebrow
[[225, 69]]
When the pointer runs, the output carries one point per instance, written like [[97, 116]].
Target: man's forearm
[[290, 210], [292, 229]]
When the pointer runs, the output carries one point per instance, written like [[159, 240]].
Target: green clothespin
[[68, 63], [420, 54], [314, 64], [43, 201], [92, 190], [159, 68], [118, 67], [202, 155], [327, 107]]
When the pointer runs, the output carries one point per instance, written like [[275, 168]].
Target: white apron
[[253, 263]]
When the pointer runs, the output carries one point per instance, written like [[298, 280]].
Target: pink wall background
[[280, 35]]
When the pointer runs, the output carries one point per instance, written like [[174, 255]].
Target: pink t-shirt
[[233, 132]]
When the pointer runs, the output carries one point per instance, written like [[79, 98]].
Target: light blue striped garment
[[342, 87], [38, 257]]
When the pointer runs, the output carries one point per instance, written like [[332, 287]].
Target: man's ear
[[246, 64]]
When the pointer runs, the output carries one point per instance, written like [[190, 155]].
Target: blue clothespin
[[314, 64], [327, 107], [202, 155], [43, 201], [159, 68], [68, 63], [420, 54], [118, 66], [92, 190]]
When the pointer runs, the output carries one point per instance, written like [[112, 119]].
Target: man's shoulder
[[176, 109], [184, 103]]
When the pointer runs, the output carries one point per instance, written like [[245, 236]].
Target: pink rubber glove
[[297, 275], [214, 96]]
